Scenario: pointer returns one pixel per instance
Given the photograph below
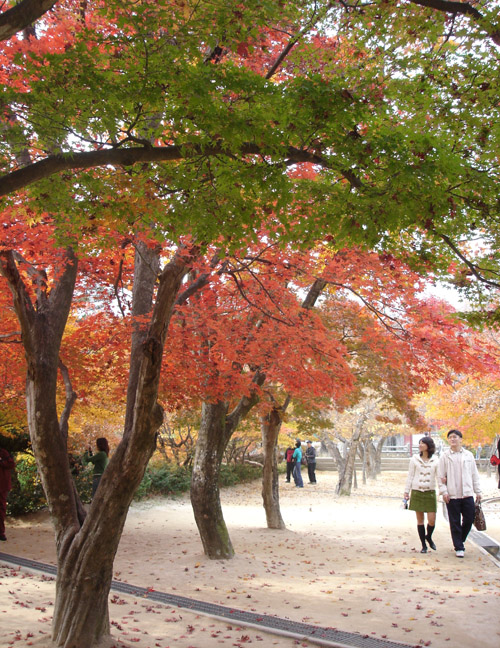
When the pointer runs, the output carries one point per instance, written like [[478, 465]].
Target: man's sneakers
[[459, 553], [3, 538]]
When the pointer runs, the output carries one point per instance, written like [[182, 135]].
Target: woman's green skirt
[[423, 501]]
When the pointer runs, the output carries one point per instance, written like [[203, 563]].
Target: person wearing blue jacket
[[297, 458]]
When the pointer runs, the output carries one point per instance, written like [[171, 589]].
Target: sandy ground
[[349, 563]]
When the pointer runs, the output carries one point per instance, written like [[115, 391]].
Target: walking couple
[[457, 477]]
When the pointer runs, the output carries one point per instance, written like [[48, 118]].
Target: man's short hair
[[457, 432]]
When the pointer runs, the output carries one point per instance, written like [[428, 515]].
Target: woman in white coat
[[421, 482]]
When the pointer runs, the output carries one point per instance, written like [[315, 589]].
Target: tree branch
[[313, 294], [201, 281], [6, 338], [22, 178], [71, 397], [464, 8], [22, 15], [22, 302], [474, 269], [295, 39]]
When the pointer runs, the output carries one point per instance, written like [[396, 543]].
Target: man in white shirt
[[458, 483]]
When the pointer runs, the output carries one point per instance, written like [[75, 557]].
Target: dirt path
[[349, 563]]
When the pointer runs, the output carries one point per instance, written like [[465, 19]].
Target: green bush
[[231, 474], [164, 480], [83, 481], [27, 493], [169, 479]]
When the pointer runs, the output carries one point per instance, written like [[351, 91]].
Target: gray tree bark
[[344, 487], [213, 437], [217, 427]]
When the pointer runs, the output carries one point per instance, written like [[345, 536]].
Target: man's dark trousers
[[461, 516]]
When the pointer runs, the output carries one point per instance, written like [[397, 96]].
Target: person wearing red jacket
[[7, 464]]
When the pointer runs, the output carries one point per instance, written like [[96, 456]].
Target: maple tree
[[248, 340], [12, 375], [311, 99], [396, 346], [176, 118], [398, 342]]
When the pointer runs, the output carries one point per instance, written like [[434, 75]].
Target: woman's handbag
[[479, 521]]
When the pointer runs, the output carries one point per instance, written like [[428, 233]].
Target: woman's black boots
[[428, 537], [421, 535]]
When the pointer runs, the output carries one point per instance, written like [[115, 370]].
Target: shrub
[[164, 480], [231, 474], [27, 493], [169, 479], [83, 481]]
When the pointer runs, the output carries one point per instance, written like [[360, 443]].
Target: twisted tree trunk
[[213, 437], [344, 486], [216, 429]]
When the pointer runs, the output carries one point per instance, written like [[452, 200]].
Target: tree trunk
[[370, 460], [364, 456], [85, 565], [205, 495], [216, 430], [344, 486], [378, 456], [86, 551], [333, 451], [271, 425]]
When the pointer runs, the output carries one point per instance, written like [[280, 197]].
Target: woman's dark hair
[[431, 446], [102, 445], [298, 443]]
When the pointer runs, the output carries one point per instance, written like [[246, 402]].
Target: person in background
[[459, 482], [7, 464], [311, 462], [297, 460], [289, 463], [100, 460], [421, 482]]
